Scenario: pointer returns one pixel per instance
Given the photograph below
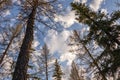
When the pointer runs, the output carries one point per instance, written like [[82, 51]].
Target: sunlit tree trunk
[[20, 72]]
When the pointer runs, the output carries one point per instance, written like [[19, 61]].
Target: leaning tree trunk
[[20, 72]]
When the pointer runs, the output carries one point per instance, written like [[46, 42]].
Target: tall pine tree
[[105, 31], [30, 9], [20, 72]]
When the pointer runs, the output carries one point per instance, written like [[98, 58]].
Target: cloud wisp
[[96, 4]]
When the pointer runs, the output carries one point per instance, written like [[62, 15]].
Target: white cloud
[[18, 1], [66, 20], [95, 4], [35, 43], [76, 1], [82, 1], [104, 11], [56, 41], [14, 1], [6, 13], [67, 56], [1, 37]]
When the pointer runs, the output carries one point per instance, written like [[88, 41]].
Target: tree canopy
[[105, 31]]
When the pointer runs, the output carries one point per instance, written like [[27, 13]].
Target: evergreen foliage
[[105, 31], [57, 75]]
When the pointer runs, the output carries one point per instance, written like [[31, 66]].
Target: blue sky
[[68, 22], [57, 41]]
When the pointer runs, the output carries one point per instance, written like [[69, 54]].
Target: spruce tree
[[105, 31], [57, 75]]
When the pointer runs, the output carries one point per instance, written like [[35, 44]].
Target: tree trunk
[[94, 61], [17, 30], [45, 56], [5, 52], [46, 66], [20, 72]]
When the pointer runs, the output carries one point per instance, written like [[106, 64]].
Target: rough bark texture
[[20, 72]]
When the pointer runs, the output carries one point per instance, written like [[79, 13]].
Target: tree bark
[[20, 72]]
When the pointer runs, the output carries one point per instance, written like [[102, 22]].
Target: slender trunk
[[20, 72], [5, 52], [75, 72], [46, 66], [17, 30], [94, 61], [45, 55]]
